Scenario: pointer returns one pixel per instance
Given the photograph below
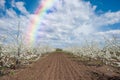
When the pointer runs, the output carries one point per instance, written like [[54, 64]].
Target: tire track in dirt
[[55, 66], [51, 71], [68, 70]]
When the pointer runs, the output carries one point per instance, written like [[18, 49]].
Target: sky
[[66, 22]]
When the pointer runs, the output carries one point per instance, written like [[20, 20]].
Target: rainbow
[[37, 19]]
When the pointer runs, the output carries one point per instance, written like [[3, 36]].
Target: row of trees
[[109, 52], [13, 50]]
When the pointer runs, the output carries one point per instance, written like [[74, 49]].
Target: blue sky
[[66, 23], [102, 5], [105, 5]]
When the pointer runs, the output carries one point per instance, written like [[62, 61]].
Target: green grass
[[12, 72]]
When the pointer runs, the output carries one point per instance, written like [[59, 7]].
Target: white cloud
[[9, 26], [11, 13], [70, 23], [107, 36], [21, 7], [76, 19], [109, 32], [108, 18], [13, 3], [2, 4]]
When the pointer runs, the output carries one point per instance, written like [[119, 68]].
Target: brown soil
[[59, 66]]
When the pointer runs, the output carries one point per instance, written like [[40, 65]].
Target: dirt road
[[55, 66]]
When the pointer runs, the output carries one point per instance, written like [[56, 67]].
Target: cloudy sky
[[66, 22]]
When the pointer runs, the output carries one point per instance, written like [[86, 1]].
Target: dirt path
[[55, 66]]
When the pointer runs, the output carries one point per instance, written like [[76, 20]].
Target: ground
[[61, 66]]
